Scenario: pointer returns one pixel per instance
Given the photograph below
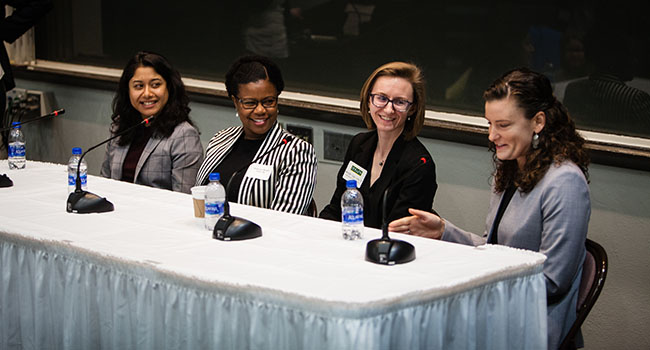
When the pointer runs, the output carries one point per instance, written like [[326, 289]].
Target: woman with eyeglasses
[[166, 152], [282, 170], [390, 156]]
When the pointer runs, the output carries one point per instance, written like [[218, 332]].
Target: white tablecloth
[[149, 276]]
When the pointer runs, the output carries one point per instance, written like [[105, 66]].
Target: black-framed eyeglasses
[[251, 103], [381, 101]]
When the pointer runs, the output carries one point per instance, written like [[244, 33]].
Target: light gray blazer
[[291, 185], [551, 219], [170, 163]]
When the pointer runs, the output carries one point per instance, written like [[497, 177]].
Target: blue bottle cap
[[15, 125], [76, 150], [215, 177], [351, 184]]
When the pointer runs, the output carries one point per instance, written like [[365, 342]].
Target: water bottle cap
[[351, 184], [76, 150], [15, 125], [215, 177]]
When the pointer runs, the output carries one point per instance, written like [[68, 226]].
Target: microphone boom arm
[[78, 179], [53, 114]]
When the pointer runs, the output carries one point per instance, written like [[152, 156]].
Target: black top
[[411, 187], [505, 200], [241, 153], [140, 139]]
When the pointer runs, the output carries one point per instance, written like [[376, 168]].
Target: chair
[[594, 272]]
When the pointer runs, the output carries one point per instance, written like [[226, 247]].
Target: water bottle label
[[19, 151], [72, 179], [12, 151], [214, 208], [353, 216]]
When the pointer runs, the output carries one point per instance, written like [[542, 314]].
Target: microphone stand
[[84, 202], [5, 181], [231, 228], [385, 250], [388, 251]]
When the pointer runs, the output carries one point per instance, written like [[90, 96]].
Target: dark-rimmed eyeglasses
[[251, 103], [381, 101]]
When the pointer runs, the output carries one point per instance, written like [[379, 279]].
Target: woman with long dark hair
[[165, 153], [540, 193]]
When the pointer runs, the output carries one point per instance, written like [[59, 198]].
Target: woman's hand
[[422, 223]]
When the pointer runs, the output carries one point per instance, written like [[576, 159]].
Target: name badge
[[259, 171], [355, 171]]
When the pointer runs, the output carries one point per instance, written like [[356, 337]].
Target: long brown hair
[[558, 140], [176, 110]]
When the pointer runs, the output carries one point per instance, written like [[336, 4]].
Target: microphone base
[[386, 251], [230, 228], [5, 181], [84, 202]]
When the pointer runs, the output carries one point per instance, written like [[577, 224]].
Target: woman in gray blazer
[[540, 196], [165, 153]]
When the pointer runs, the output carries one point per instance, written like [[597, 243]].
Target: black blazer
[[416, 190], [26, 14]]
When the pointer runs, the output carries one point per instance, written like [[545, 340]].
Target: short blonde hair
[[413, 75]]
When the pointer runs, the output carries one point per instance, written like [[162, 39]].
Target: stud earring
[[237, 114], [535, 142]]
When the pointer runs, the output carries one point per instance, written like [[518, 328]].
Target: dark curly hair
[[558, 140], [176, 110], [251, 68]]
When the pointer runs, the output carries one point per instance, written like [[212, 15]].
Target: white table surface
[[300, 263]]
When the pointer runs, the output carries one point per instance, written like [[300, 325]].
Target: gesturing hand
[[422, 223]]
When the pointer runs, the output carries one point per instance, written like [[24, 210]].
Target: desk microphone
[[5, 181], [53, 114], [84, 202], [231, 228], [388, 251]]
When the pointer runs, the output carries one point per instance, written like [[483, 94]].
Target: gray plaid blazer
[[170, 163]]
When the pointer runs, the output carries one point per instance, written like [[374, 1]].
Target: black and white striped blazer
[[291, 185]]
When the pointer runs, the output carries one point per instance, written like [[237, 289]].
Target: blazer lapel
[[271, 140], [217, 150], [364, 157], [148, 149], [119, 154]]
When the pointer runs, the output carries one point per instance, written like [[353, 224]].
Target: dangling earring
[[535, 141], [237, 115]]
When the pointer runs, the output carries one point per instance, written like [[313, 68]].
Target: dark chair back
[[594, 272]]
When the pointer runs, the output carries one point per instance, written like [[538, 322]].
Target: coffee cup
[[198, 197]]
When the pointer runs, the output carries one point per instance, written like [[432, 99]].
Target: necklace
[[381, 162]]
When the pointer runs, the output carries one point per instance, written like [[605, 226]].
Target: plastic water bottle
[[16, 147], [215, 196], [352, 212], [72, 171]]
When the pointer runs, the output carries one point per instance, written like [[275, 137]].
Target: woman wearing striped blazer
[[282, 170]]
